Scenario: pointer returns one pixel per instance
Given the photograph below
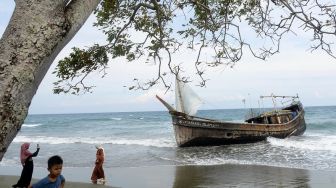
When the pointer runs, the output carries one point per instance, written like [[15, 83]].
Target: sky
[[295, 70]]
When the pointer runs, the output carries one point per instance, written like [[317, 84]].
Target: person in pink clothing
[[28, 165]]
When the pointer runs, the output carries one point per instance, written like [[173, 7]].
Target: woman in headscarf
[[28, 165], [98, 171]]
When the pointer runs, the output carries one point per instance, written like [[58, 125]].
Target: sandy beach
[[8, 181], [188, 176]]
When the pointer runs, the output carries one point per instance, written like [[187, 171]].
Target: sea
[[142, 139]]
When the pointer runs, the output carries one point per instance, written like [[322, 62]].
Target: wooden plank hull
[[191, 132]]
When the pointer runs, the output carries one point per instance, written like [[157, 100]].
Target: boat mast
[[274, 102], [177, 81], [170, 108]]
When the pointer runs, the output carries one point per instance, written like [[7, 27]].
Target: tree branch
[[77, 12]]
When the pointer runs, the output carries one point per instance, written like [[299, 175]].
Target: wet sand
[[214, 176], [8, 181]]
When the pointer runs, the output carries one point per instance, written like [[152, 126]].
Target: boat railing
[[186, 116], [253, 113]]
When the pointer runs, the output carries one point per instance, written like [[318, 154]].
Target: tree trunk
[[37, 31]]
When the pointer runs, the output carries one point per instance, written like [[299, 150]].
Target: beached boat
[[191, 130]]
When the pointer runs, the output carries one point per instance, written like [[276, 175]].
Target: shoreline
[[227, 175]]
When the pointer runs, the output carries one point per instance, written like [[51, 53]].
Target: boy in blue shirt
[[54, 179]]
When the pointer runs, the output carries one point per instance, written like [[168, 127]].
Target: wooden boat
[[197, 131]]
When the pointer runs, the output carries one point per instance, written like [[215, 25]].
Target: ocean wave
[[221, 161], [249, 162], [147, 142], [95, 119], [117, 119], [308, 142], [32, 125], [323, 125], [97, 140], [9, 162]]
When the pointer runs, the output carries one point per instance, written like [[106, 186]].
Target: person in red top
[[98, 171], [28, 165]]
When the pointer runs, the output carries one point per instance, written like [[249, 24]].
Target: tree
[[39, 29]]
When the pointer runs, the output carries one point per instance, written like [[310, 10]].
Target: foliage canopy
[[168, 25]]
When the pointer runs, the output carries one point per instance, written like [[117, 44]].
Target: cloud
[[318, 94], [149, 95]]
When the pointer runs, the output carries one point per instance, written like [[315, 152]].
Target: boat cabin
[[277, 116]]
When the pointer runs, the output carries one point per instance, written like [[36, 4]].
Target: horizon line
[[160, 110]]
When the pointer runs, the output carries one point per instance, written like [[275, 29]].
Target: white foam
[[31, 125], [211, 160], [146, 142], [9, 162], [169, 159], [117, 119], [160, 142], [317, 143], [220, 161]]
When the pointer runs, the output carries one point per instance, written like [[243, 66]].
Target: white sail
[[186, 100]]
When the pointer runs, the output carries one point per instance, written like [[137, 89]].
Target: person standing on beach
[[55, 179], [28, 166], [98, 171]]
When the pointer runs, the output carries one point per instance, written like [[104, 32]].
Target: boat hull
[[191, 132]]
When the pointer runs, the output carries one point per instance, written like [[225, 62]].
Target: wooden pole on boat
[[170, 108], [179, 95]]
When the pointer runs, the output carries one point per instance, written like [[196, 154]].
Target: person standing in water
[[98, 171], [28, 166]]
